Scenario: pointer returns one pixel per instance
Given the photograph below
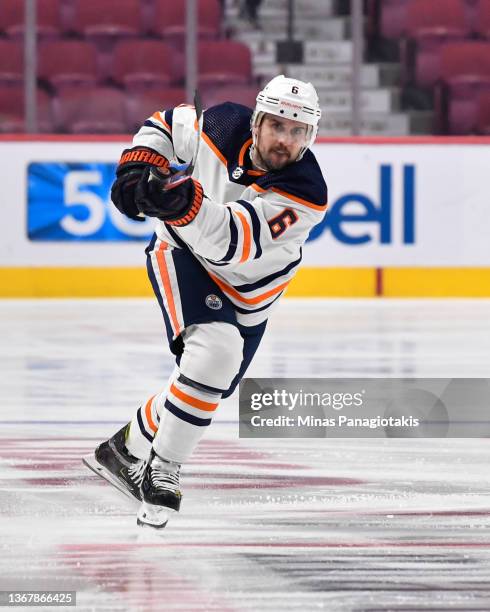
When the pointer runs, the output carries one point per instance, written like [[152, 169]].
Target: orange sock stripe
[[151, 424], [162, 266], [246, 237], [193, 401]]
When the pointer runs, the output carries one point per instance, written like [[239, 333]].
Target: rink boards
[[407, 217]]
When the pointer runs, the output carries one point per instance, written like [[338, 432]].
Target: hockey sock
[[187, 412], [145, 422]]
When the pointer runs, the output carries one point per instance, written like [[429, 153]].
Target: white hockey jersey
[[251, 226]]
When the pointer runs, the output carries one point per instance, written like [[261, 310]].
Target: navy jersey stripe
[[185, 416], [255, 226], [142, 427], [199, 386], [268, 279], [149, 123], [176, 237], [149, 248], [233, 242], [245, 311], [156, 288], [169, 116]]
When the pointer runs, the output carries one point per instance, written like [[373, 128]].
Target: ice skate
[[114, 463], [160, 492]]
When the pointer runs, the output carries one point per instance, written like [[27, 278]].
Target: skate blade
[[91, 462], [155, 517]]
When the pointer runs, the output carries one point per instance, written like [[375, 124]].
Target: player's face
[[279, 141]]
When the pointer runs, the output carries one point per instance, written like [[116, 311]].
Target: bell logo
[[345, 224]]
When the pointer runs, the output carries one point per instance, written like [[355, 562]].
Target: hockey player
[[227, 243]]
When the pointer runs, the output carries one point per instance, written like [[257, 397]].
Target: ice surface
[[265, 525]]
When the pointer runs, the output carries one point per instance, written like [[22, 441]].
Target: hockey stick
[[200, 121]]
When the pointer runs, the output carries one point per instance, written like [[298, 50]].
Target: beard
[[273, 159]]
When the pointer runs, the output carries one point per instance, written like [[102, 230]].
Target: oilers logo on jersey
[[237, 172], [214, 302]]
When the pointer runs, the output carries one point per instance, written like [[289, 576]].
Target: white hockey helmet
[[292, 99]]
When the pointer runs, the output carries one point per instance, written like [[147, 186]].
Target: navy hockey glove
[[131, 167], [175, 200]]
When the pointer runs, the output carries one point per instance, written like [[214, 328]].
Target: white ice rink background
[[265, 525]]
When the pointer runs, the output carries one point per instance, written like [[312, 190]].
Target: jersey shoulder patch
[[227, 126], [302, 180]]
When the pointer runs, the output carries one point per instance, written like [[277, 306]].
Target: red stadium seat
[[170, 20], [105, 22], [12, 110], [482, 18], [224, 62], [48, 18], [429, 27], [141, 105], [107, 19], [483, 114], [64, 63], [146, 64], [393, 16], [97, 110], [11, 62], [242, 94], [465, 75]]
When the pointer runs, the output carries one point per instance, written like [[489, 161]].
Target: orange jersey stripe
[[255, 300], [241, 159], [158, 117], [291, 197], [152, 425], [214, 148], [162, 266], [300, 200], [193, 401], [246, 236], [241, 155]]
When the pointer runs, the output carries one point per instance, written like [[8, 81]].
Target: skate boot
[[160, 492], [113, 462]]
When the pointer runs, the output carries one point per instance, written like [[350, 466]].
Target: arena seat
[[429, 27], [465, 75], [483, 114], [242, 94], [11, 62], [95, 110], [63, 63], [146, 64], [106, 18], [12, 110], [141, 105], [482, 18], [392, 18], [170, 20], [48, 18], [224, 62]]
